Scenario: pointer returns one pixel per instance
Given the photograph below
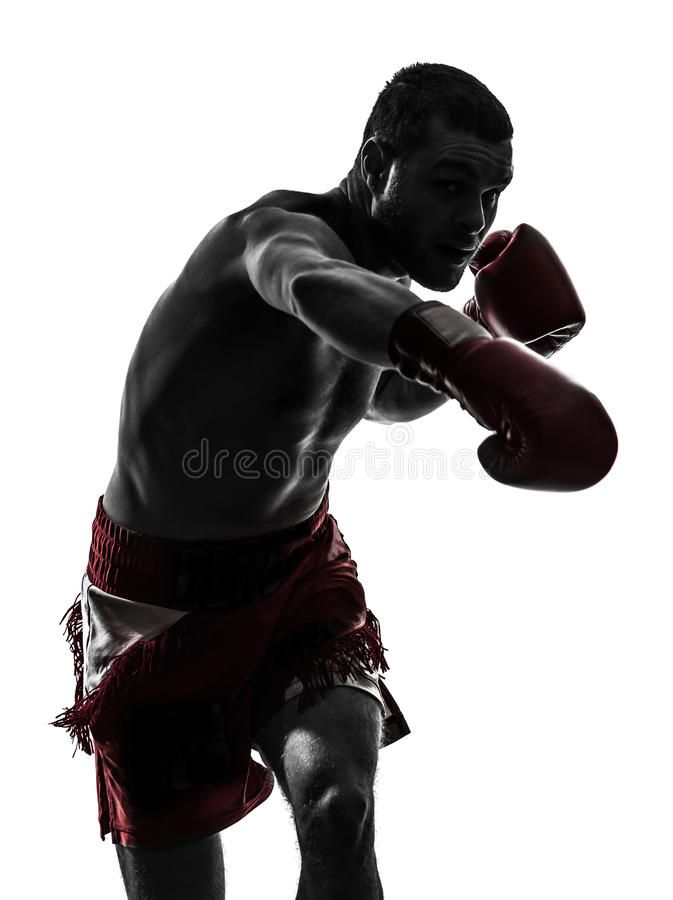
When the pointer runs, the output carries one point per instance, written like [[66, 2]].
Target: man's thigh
[[333, 742]]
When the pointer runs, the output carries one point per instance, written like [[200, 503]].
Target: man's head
[[435, 155]]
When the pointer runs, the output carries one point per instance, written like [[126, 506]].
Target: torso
[[218, 372]]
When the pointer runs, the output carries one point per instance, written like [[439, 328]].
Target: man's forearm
[[398, 399], [355, 310], [351, 308]]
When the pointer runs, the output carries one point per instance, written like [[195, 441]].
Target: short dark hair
[[417, 92]]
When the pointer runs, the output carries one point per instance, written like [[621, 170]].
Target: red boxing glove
[[551, 433], [523, 291]]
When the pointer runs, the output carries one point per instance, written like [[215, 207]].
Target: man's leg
[[184, 872], [325, 761]]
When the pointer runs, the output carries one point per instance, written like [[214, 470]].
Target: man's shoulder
[[220, 254], [293, 201], [285, 208]]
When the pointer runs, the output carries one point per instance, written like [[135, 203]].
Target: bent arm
[[398, 399]]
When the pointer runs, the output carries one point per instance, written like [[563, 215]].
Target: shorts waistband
[[195, 574]]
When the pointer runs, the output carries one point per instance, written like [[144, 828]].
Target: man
[[220, 593]]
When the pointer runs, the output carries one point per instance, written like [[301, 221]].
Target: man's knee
[[340, 811]]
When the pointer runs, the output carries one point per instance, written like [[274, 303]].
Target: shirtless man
[[291, 322]]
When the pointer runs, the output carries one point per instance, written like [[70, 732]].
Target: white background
[[529, 634]]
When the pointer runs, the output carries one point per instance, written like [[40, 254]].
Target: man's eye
[[491, 195]]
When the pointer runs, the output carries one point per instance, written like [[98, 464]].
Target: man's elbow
[[390, 416], [374, 415]]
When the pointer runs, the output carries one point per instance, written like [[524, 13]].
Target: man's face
[[446, 194]]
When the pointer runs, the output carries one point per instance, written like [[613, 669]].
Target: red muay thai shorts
[[182, 649]]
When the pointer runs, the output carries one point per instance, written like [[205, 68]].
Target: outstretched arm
[[300, 266], [550, 433]]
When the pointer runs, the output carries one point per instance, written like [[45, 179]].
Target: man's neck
[[366, 236]]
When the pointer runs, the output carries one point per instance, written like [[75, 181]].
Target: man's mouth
[[454, 254]]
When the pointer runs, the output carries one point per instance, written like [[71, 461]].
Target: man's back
[[232, 410]]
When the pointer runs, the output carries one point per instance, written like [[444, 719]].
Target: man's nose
[[469, 218], [469, 225]]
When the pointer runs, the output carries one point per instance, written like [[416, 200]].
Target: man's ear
[[372, 163]]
